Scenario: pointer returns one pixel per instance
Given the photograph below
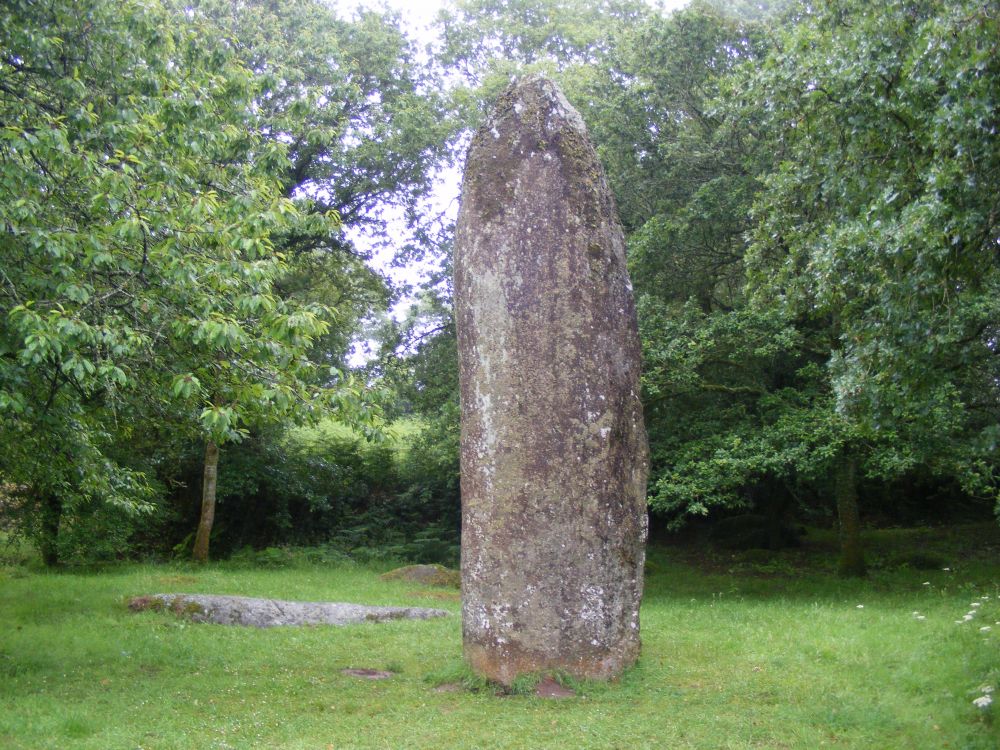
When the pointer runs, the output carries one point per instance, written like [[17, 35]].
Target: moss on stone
[[186, 607], [146, 603]]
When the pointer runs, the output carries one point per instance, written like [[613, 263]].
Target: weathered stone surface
[[554, 456], [267, 613]]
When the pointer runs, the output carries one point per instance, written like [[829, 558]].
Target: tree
[[685, 175], [482, 37], [882, 217], [869, 329], [722, 392], [362, 127], [139, 214], [363, 123], [486, 42]]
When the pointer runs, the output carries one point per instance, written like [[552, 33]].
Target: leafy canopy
[[139, 206]]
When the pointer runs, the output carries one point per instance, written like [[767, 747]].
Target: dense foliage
[[145, 292], [809, 192], [138, 212]]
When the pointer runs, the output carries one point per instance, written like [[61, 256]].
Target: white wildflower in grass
[[985, 629], [861, 606], [946, 570], [927, 583], [983, 701], [976, 604], [967, 618], [986, 689], [921, 617]]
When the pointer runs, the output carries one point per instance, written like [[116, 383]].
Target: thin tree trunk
[[209, 480], [852, 556], [48, 543]]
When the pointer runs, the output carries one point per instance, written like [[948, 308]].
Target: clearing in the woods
[[740, 650]]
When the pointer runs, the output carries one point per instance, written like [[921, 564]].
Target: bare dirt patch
[[368, 674], [427, 575], [549, 688]]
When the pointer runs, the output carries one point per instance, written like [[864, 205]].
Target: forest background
[[810, 197]]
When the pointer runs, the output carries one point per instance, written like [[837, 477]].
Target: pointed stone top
[[537, 103]]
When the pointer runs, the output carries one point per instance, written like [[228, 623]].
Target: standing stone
[[554, 456]]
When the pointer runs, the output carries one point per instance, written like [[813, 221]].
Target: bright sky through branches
[[418, 17]]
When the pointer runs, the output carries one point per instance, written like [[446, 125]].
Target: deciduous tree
[[139, 207]]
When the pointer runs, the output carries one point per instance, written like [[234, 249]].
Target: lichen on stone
[[553, 446]]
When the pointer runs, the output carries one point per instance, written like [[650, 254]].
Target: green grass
[[739, 652]]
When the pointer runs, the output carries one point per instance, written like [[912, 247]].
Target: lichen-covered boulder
[[554, 456]]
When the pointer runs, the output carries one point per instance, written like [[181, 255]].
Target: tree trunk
[[852, 556], [774, 505], [48, 542], [208, 483]]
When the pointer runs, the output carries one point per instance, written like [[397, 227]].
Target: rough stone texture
[[554, 456], [266, 613]]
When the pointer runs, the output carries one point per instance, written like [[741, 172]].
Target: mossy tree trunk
[[852, 556], [208, 484]]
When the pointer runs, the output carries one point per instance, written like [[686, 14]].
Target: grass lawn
[[739, 651]]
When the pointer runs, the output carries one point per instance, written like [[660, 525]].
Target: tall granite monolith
[[554, 456]]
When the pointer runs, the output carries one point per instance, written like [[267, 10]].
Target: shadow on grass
[[901, 562]]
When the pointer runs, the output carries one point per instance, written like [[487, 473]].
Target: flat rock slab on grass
[[267, 613]]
